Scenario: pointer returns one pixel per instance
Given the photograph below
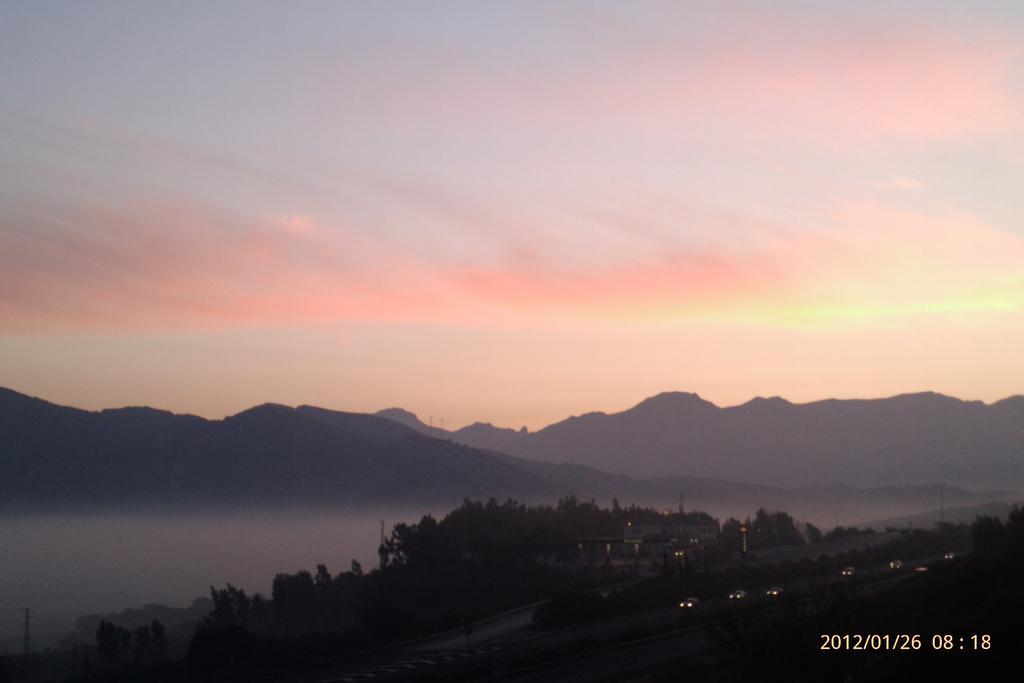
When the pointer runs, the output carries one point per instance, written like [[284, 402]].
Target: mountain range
[[268, 454], [902, 440], [799, 458]]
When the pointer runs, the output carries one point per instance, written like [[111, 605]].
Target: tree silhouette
[[231, 607], [158, 639], [112, 642], [142, 645]]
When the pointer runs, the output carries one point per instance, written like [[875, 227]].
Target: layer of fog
[[70, 564], [63, 566]]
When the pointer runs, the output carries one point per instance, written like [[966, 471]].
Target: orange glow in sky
[[556, 211]]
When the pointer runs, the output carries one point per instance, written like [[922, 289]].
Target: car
[[896, 564], [738, 595], [948, 556], [921, 570], [848, 571], [690, 603], [773, 592]]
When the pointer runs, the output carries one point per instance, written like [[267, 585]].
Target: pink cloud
[[299, 225], [901, 182], [891, 85], [868, 262], [178, 265], [155, 263], [761, 75]]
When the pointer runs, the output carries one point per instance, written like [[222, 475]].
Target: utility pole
[[942, 506], [381, 544], [28, 617]]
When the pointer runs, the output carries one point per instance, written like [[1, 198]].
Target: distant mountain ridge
[[53, 456], [901, 440], [271, 453]]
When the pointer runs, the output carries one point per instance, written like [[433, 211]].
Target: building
[[677, 534]]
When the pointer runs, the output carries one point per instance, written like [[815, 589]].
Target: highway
[[511, 647], [619, 661]]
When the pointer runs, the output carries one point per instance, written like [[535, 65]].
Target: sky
[[509, 212]]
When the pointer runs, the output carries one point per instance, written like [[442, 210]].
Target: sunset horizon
[[542, 215], [545, 341], [439, 421]]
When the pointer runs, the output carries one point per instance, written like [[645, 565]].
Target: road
[[509, 646], [621, 661]]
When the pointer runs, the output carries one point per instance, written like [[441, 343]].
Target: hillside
[[54, 456], [268, 454], [903, 440]]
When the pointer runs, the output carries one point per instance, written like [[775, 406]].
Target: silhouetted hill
[[825, 506], [404, 417], [956, 515], [273, 454], [906, 439], [369, 427], [51, 454], [180, 622]]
